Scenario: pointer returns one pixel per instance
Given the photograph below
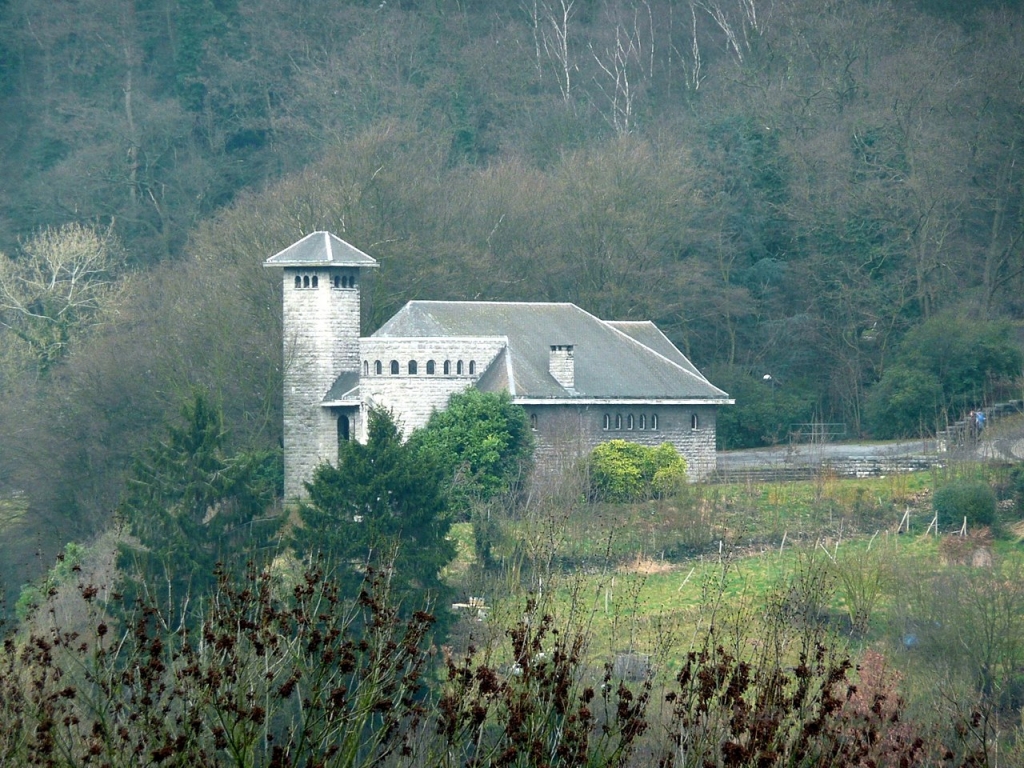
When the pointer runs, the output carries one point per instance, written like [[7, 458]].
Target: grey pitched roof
[[320, 249], [650, 335], [495, 378], [609, 361], [345, 387]]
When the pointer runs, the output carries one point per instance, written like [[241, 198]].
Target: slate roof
[[345, 387], [612, 360], [320, 249], [650, 335]]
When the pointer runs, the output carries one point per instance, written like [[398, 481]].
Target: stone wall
[[412, 397], [565, 433]]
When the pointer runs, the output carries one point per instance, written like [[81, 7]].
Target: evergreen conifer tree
[[384, 506], [193, 509]]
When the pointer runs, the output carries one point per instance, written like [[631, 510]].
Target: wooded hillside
[[784, 186]]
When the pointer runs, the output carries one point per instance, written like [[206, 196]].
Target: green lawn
[[647, 577]]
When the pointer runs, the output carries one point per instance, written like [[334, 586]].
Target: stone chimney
[[561, 365]]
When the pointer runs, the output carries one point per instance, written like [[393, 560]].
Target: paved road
[[809, 455], [997, 448]]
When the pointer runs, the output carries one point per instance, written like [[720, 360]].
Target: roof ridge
[[493, 303], [317, 249], [698, 376]]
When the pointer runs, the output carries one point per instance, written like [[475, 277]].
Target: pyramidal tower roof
[[320, 249]]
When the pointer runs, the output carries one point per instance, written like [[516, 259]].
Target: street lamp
[[769, 379]]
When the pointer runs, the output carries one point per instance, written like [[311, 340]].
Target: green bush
[[905, 403], [384, 505], [624, 471], [943, 367], [34, 595], [482, 441], [764, 412], [971, 499], [1017, 488]]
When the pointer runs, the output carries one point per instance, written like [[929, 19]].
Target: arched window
[[337, 282], [394, 367], [366, 367], [412, 368], [378, 368], [618, 421], [654, 421], [472, 367], [607, 421], [430, 368], [693, 421], [458, 368], [643, 421], [305, 281], [447, 367], [298, 281], [533, 421], [316, 281], [629, 421]]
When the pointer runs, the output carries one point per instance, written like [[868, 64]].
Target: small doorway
[[343, 430]]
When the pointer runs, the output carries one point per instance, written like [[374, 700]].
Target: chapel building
[[581, 380]]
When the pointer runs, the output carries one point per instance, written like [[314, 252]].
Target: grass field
[[765, 570], [854, 557]]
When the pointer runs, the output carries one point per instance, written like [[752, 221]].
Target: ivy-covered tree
[[385, 506], [483, 442], [190, 505]]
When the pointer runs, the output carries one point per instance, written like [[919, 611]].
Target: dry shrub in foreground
[[540, 710], [306, 678]]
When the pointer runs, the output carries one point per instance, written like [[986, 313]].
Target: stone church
[[581, 380]]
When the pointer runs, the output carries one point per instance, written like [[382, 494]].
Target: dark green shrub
[[943, 367], [971, 499], [764, 411], [1016, 488], [193, 506], [905, 403]]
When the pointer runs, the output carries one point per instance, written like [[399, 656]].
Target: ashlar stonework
[[582, 380]]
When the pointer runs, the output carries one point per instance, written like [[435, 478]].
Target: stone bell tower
[[321, 349]]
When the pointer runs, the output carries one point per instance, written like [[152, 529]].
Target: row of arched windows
[[313, 281], [629, 421], [413, 368]]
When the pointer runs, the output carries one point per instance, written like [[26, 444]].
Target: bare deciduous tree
[[550, 23], [65, 281], [627, 65]]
